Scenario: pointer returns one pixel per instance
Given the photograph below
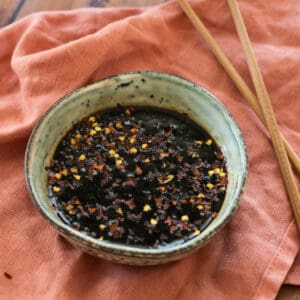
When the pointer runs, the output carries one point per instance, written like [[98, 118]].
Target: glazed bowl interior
[[143, 89]]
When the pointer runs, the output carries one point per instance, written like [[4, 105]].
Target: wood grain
[[289, 292], [11, 10], [7, 9], [31, 6]]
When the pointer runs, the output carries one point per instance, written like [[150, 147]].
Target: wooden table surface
[[12, 10]]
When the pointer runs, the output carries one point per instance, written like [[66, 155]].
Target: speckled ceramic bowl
[[136, 88]]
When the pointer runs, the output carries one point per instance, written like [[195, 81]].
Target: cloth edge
[[271, 281]]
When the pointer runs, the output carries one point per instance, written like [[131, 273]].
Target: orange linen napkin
[[47, 55]]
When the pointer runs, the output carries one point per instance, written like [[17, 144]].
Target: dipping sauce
[[137, 175]]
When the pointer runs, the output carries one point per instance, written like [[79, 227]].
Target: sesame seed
[[185, 218], [64, 172], [133, 150], [102, 226], [132, 140], [169, 178], [163, 154], [82, 157], [77, 177], [112, 151], [118, 161], [134, 130], [74, 170], [200, 207], [153, 222], [57, 175], [210, 185], [118, 125], [208, 142], [107, 130], [147, 208], [56, 189], [217, 170], [69, 207]]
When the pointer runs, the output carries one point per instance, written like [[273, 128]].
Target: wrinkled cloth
[[46, 55]]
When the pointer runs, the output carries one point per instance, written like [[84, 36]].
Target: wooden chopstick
[[233, 74], [267, 111]]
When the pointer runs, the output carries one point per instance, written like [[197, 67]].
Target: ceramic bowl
[[136, 88]]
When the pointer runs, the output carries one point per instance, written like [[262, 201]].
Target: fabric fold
[[47, 55]]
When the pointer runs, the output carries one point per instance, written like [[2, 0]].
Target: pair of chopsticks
[[260, 104]]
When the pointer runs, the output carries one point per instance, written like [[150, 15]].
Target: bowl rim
[[132, 250]]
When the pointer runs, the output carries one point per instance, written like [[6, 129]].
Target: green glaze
[[136, 88]]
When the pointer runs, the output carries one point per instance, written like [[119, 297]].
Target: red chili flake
[[156, 244], [166, 206], [168, 133], [158, 201], [180, 175], [172, 228], [117, 200], [169, 220], [134, 217], [220, 156], [91, 210], [113, 227], [160, 179], [180, 158], [158, 139], [130, 181], [162, 189], [130, 204], [98, 167], [138, 170], [183, 201], [100, 211], [224, 180], [180, 224], [196, 172], [121, 168]]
